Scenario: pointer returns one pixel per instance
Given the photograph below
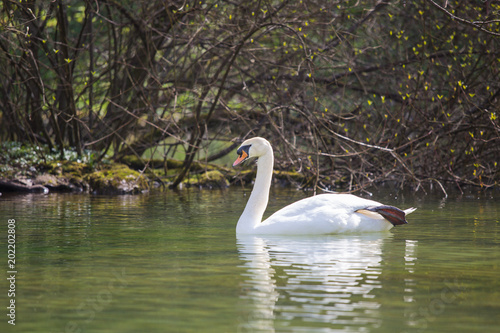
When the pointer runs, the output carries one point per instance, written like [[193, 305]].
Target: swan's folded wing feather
[[392, 214]]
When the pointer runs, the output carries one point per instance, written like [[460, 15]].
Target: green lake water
[[171, 262]]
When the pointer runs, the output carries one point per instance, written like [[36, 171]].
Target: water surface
[[171, 262]]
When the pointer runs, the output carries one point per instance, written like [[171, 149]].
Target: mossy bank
[[30, 168]]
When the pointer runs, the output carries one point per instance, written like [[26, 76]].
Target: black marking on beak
[[243, 154]]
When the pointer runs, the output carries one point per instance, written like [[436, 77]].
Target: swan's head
[[254, 147]]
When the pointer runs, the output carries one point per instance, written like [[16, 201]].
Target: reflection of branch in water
[[322, 279]]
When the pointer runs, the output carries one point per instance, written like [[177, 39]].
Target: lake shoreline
[[119, 178], [38, 169]]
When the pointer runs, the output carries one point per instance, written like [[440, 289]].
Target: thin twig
[[474, 24]]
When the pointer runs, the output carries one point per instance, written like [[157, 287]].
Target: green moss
[[116, 179], [208, 179], [288, 175], [76, 169]]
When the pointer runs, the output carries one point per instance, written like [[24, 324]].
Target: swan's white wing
[[325, 213]]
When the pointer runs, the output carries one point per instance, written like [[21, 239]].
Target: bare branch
[[474, 24]]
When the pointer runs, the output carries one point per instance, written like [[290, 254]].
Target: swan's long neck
[[257, 203]]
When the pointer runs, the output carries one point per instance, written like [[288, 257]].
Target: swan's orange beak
[[243, 156]]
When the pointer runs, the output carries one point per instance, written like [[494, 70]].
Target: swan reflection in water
[[310, 283]]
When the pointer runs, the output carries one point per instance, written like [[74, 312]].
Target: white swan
[[320, 214]]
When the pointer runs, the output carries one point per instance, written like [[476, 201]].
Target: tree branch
[[475, 24]]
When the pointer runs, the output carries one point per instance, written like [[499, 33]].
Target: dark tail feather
[[392, 214]]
